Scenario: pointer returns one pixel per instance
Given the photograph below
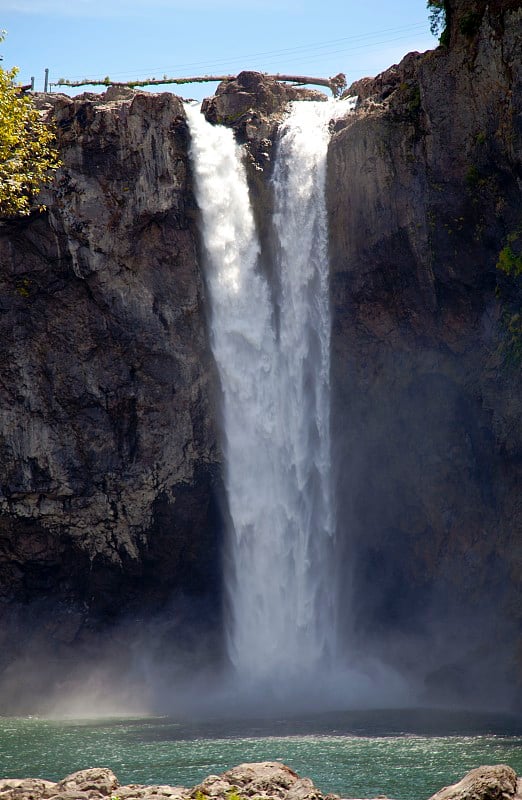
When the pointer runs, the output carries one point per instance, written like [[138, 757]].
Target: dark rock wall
[[424, 189], [110, 468]]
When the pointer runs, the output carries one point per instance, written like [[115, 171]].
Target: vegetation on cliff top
[[439, 20], [28, 155], [437, 16], [510, 292]]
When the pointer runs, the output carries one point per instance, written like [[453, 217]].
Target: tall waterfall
[[275, 382]]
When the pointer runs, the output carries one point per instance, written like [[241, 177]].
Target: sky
[[131, 39]]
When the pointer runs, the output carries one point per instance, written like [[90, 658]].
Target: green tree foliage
[[438, 18], [28, 155], [509, 262], [510, 294]]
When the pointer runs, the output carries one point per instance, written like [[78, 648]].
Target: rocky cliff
[[424, 194], [111, 501], [110, 467]]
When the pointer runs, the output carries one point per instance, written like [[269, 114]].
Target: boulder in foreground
[[267, 780], [484, 783]]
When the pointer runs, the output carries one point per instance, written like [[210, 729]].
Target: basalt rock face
[[108, 390], [253, 104], [424, 194]]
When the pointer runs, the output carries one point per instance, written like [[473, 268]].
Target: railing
[[337, 84]]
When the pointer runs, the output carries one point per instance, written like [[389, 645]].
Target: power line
[[348, 50], [307, 51]]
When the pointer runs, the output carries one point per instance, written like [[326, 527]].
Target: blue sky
[[126, 39]]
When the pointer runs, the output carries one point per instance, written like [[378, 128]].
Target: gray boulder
[[484, 783], [26, 789], [90, 783], [266, 779]]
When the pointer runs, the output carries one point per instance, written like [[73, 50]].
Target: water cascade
[[275, 382]]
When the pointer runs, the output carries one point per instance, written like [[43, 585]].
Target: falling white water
[[275, 381]]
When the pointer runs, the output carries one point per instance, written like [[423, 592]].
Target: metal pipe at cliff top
[[337, 84]]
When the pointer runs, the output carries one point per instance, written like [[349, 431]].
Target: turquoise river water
[[406, 755]]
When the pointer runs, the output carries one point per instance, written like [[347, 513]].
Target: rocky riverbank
[[262, 781]]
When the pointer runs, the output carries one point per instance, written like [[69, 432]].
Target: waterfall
[[276, 404]]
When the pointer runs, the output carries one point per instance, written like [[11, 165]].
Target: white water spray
[[275, 381]]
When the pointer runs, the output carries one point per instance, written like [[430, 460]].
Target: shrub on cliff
[[509, 292], [28, 153]]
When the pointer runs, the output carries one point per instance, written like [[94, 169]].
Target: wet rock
[[253, 103]]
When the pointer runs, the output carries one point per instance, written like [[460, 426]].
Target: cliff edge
[[110, 462]]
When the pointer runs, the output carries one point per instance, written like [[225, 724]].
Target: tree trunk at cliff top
[[336, 84]]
